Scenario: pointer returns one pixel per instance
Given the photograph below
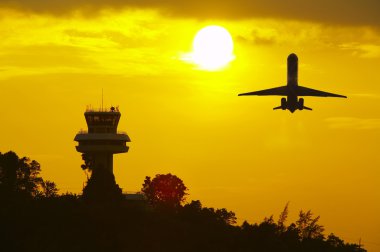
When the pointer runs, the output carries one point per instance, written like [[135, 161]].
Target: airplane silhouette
[[292, 90]]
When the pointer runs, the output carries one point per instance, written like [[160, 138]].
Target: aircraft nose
[[292, 56]]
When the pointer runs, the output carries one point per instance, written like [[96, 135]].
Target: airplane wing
[[282, 91], [304, 91]]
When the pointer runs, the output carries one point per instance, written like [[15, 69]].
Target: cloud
[[353, 123], [363, 50], [51, 56], [107, 36], [257, 39], [341, 12], [264, 37]]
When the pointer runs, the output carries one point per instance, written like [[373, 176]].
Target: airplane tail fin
[[279, 107], [307, 108]]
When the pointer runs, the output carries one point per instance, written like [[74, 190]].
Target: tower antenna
[[102, 99]]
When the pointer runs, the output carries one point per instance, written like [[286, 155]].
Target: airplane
[[292, 90]]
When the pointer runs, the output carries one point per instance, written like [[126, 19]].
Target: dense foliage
[[20, 178], [45, 221], [165, 190]]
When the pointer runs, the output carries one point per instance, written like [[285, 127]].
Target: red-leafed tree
[[164, 190]]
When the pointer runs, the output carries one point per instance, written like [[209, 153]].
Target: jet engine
[[283, 103], [300, 104]]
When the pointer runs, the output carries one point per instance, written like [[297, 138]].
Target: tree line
[[34, 217]]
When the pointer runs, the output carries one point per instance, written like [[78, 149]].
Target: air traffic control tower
[[102, 139]]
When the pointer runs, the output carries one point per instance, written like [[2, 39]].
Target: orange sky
[[231, 151]]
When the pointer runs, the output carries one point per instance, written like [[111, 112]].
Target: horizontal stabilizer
[[307, 108], [279, 107]]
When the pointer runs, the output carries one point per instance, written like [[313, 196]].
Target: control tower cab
[[102, 139]]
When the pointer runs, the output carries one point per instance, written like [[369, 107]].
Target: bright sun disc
[[212, 48]]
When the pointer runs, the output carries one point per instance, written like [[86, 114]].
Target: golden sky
[[233, 152]]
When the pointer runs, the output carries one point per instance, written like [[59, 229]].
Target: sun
[[212, 48]]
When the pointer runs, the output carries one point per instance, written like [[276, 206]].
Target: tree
[[9, 164], [334, 241], [164, 190], [28, 180], [194, 206], [19, 175], [308, 227], [282, 218], [226, 216], [88, 164], [196, 212], [50, 189]]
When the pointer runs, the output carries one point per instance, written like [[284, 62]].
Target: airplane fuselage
[[292, 70], [292, 103]]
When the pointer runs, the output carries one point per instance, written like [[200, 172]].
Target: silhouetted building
[[134, 196], [102, 139]]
